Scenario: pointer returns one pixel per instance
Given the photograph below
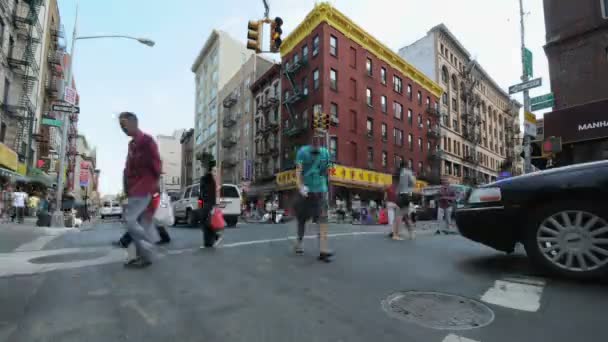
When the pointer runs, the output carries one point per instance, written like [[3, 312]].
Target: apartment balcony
[[295, 97], [296, 129], [293, 68], [229, 162], [230, 100], [434, 112], [229, 120], [433, 133], [229, 141]]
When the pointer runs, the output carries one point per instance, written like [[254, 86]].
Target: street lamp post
[[57, 218]]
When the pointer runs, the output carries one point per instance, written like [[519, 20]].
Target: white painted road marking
[[36, 245], [456, 338], [521, 294], [149, 318]]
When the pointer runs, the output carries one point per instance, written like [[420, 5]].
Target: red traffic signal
[[552, 145], [275, 34]]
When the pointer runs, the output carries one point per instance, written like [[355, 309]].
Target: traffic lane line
[[37, 244], [516, 293]]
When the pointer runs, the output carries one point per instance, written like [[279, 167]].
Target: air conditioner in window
[[334, 119]]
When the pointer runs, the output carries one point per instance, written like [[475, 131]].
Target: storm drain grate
[[437, 310]]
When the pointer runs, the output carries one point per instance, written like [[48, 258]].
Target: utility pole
[[57, 219], [525, 78]]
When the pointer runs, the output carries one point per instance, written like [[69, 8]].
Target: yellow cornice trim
[[324, 12]]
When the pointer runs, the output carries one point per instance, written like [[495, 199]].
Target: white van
[[111, 209], [186, 207]]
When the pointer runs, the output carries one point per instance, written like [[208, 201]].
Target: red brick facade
[[350, 96]]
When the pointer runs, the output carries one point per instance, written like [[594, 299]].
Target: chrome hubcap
[[574, 240]]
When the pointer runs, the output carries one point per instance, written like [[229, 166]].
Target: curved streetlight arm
[[144, 41]]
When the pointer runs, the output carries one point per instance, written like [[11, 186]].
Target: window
[[305, 53], [383, 104], [398, 109], [444, 74], [2, 132], [368, 93], [383, 75], [315, 45], [384, 132], [428, 146], [305, 85], [605, 9], [370, 157], [315, 79], [353, 121], [454, 105], [384, 159], [333, 110], [370, 127], [333, 79], [353, 88], [428, 123], [409, 116], [428, 102], [195, 191], [419, 98], [410, 141], [398, 135], [296, 59], [397, 84], [420, 168], [333, 45], [333, 148], [420, 146], [420, 121], [368, 66], [444, 99], [353, 57], [398, 161], [409, 92]]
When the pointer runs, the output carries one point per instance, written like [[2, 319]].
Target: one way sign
[[64, 108]]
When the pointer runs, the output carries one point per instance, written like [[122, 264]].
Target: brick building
[[383, 110]]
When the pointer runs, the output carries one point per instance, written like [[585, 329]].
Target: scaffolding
[[24, 66]]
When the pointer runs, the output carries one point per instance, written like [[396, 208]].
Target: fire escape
[[296, 125], [267, 140], [72, 148], [471, 122], [25, 69], [52, 91], [434, 135], [229, 160]]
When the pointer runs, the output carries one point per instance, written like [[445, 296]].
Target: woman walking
[[208, 197]]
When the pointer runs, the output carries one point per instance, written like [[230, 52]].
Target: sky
[[115, 75]]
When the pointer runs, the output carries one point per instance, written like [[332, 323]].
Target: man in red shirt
[[142, 174]]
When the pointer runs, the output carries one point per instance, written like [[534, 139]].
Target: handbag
[[217, 219], [163, 216]]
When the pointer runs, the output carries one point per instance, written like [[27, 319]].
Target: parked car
[[111, 209], [560, 215], [186, 207]]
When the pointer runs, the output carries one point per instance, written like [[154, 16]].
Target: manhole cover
[[67, 257], [438, 310]]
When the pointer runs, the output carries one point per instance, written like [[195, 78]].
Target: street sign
[[51, 122], [542, 102], [537, 82], [70, 95], [64, 108], [530, 124], [528, 70]]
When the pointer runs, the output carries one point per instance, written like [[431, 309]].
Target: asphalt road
[[255, 289]]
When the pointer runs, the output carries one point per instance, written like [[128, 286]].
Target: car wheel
[[231, 221], [190, 218], [569, 239]]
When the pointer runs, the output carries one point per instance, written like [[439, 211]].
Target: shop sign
[[8, 157], [360, 177], [286, 178]]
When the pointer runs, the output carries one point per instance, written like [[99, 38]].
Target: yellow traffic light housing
[[326, 122], [254, 35], [275, 34]]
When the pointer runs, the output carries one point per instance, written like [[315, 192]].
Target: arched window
[[444, 74], [454, 82]]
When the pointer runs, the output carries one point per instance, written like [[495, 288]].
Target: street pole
[[57, 219], [525, 78]]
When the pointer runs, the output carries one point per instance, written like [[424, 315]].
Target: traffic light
[[275, 34], [254, 35], [552, 145], [316, 120], [325, 118]]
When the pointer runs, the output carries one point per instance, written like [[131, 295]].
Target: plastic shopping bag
[[217, 220], [164, 213]]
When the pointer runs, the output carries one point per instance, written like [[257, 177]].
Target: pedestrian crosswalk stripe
[[515, 295], [456, 338]]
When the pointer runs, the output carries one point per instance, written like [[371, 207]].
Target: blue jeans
[[142, 235]]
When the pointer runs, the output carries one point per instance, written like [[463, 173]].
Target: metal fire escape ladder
[[26, 68], [295, 126], [471, 119]]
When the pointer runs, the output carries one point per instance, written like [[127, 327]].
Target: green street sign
[[528, 62], [542, 105], [543, 98], [51, 122]]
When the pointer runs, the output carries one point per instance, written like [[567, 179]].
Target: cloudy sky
[[156, 83]]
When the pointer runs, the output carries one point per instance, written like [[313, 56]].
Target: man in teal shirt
[[312, 165]]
